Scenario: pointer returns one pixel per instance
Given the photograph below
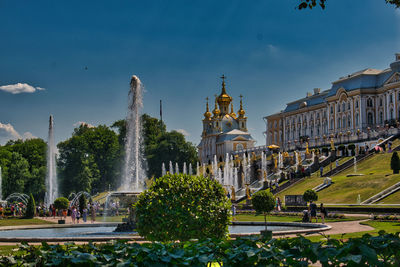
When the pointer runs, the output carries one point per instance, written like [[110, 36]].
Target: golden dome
[[207, 114], [216, 111], [233, 114], [241, 111], [224, 98]]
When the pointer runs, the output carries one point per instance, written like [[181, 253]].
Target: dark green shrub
[[61, 203], [182, 207], [395, 163], [30, 208], [341, 148], [310, 195], [263, 202], [82, 203]]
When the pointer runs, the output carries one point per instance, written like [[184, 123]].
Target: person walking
[[84, 214], [323, 212], [78, 216], [73, 215], [313, 211], [321, 171]]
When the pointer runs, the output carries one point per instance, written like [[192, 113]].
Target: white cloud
[[272, 49], [79, 123], [19, 88], [7, 132], [183, 131]]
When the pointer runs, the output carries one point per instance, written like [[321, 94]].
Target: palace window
[[348, 106], [343, 106], [369, 102], [333, 123], [357, 103], [332, 107], [338, 107], [370, 119], [391, 114], [390, 98], [348, 121], [357, 119], [380, 117], [380, 102], [339, 121]]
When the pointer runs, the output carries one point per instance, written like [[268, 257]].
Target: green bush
[[30, 208], [395, 163], [61, 203], [341, 147], [263, 202], [310, 195], [382, 250], [82, 203], [182, 207]]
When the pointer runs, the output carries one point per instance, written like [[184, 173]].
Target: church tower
[[224, 131]]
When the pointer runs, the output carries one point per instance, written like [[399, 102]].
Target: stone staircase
[[381, 195]]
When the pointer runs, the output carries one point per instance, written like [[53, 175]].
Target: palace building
[[224, 131], [356, 106]]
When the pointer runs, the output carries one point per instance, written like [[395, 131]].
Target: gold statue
[[332, 145], [307, 151], [233, 196], [248, 192], [276, 163]]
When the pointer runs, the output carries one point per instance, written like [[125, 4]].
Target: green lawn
[[109, 218], [392, 199], [390, 227], [378, 176], [272, 218], [19, 221]]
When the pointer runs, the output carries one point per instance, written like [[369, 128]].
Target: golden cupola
[[241, 111], [216, 111], [207, 114], [224, 99], [233, 114]]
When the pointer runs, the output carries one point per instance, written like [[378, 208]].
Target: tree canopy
[[310, 4]]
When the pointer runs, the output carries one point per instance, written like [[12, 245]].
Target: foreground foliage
[[382, 250], [181, 207]]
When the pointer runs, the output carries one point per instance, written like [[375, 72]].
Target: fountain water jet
[[176, 168], [51, 177], [190, 169], [134, 173], [184, 168], [171, 169], [163, 170]]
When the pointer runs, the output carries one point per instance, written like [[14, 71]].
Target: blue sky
[[270, 53]]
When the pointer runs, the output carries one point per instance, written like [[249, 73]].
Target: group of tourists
[[76, 214], [312, 210], [13, 209]]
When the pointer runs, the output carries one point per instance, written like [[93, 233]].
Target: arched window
[[391, 114], [339, 122], [380, 102], [390, 98], [332, 123], [357, 103], [369, 102], [344, 122], [338, 107], [348, 121], [381, 117], [343, 106], [370, 119]]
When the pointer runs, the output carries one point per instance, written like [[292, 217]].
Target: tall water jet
[[51, 177], [171, 168], [184, 168], [190, 169], [163, 170], [214, 166], [198, 169], [134, 173], [176, 168]]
